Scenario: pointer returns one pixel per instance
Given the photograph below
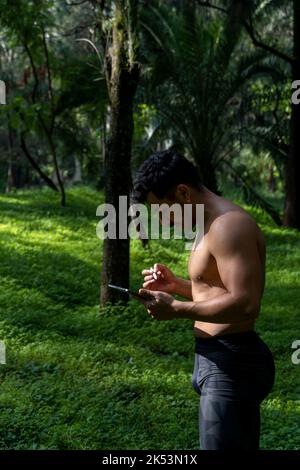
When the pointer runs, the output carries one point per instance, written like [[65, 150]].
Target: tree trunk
[[59, 179], [48, 131], [10, 179], [103, 146], [16, 175], [292, 200], [122, 87], [77, 177], [44, 177]]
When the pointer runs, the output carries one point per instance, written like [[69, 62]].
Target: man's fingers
[[145, 272], [158, 267], [153, 276], [150, 300], [155, 272], [148, 283], [150, 304], [147, 294], [143, 291], [160, 275]]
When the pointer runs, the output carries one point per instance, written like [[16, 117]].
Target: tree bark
[[121, 86], [49, 132], [10, 178], [292, 187], [44, 177]]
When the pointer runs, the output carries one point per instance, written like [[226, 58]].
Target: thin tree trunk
[[292, 200], [44, 177], [103, 145], [122, 87], [9, 181], [15, 173], [47, 131], [59, 180], [77, 177]]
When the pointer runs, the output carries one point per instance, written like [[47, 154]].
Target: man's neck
[[209, 199]]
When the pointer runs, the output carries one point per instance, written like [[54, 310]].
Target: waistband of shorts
[[226, 340]]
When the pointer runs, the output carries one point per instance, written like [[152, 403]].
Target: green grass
[[80, 378]]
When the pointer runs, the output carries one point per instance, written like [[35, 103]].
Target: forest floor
[[77, 377]]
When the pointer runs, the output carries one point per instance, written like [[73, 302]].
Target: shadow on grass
[[58, 276]]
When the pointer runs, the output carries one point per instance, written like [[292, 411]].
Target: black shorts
[[233, 373]]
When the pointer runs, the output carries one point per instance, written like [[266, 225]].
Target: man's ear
[[183, 193]]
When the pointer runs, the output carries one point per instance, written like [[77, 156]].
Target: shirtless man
[[233, 368]]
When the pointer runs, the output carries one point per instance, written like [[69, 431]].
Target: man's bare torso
[[204, 275]]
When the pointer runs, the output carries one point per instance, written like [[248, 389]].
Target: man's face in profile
[[153, 199], [180, 196]]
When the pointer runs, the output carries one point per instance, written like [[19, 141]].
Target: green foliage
[[80, 378], [203, 88], [196, 75], [71, 109]]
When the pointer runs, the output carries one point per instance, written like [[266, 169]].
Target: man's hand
[[161, 306], [159, 278]]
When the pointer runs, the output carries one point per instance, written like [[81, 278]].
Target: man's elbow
[[248, 306]]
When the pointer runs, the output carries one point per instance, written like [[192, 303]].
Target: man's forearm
[[183, 288], [222, 309]]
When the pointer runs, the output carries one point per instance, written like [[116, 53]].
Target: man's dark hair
[[162, 172]]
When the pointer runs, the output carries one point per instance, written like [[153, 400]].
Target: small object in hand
[[153, 273], [133, 294]]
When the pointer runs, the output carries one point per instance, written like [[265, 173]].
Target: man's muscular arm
[[183, 287], [233, 243]]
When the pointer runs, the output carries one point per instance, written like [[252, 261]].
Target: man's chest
[[202, 266]]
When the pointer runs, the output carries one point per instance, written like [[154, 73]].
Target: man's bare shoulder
[[233, 228]]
